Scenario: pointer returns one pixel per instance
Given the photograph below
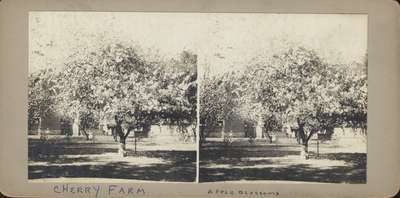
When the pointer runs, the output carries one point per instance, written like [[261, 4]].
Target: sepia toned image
[[199, 98], [283, 97], [112, 95]]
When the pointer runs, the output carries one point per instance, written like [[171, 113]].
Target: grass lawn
[[338, 162], [75, 157]]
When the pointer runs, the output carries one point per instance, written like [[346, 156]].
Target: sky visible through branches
[[222, 41]]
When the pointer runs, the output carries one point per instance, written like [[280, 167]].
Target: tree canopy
[[295, 87], [119, 84], [40, 94]]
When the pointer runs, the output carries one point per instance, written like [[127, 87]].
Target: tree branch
[[312, 132], [127, 132]]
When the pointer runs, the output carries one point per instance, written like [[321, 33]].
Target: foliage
[[218, 97], [295, 87], [178, 93], [117, 83], [40, 95], [303, 90]]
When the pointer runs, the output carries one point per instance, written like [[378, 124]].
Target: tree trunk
[[259, 127], [135, 142], [269, 136], [304, 139], [114, 133], [85, 133], [301, 136], [202, 135], [364, 129], [194, 133], [223, 130], [122, 147], [343, 131], [304, 151], [268, 128], [75, 126], [40, 126], [329, 132], [122, 138]]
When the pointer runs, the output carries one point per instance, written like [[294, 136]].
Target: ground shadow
[[229, 164], [179, 165]]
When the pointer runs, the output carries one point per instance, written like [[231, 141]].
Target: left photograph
[[112, 96]]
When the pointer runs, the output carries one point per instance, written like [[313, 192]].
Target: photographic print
[[199, 99], [283, 97], [112, 95]]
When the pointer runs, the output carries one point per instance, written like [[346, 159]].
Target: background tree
[[299, 88], [353, 98], [40, 97], [218, 99], [75, 99], [117, 83], [259, 100], [114, 83], [178, 94]]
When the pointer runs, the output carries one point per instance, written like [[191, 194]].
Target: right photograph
[[283, 97]]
